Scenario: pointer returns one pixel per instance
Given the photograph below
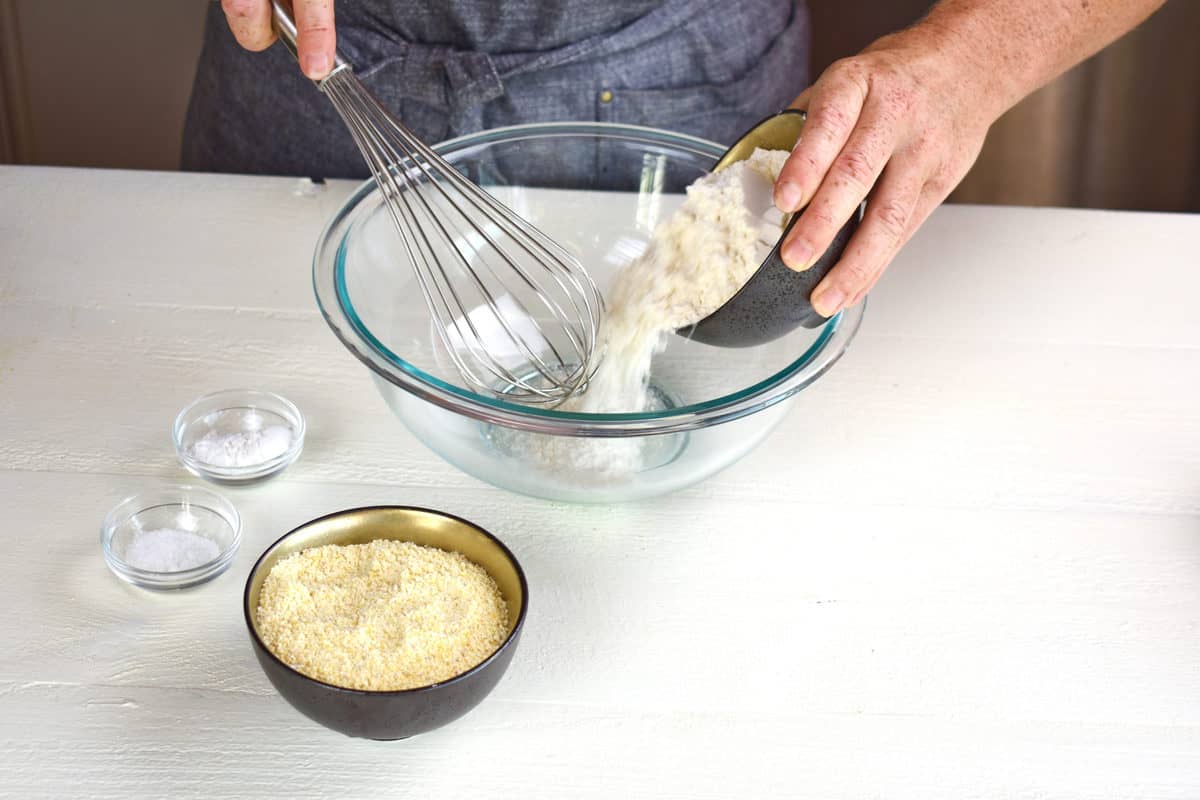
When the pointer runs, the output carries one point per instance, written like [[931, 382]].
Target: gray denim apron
[[705, 67]]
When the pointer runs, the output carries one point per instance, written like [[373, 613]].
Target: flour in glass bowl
[[695, 261]]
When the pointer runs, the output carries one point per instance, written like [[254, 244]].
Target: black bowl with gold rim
[[408, 712], [776, 299]]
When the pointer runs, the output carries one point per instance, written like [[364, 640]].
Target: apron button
[[606, 96]]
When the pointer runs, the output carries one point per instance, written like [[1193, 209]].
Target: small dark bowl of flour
[[385, 622], [238, 435]]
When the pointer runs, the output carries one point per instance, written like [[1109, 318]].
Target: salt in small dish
[[171, 538], [238, 435]]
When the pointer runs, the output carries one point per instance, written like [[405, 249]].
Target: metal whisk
[[517, 313]]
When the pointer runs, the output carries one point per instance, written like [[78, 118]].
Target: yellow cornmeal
[[384, 615]]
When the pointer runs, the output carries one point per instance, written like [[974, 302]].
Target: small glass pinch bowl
[[211, 430], [187, 510]]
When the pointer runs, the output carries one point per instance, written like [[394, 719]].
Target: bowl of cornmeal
[[385, 622], [667, 240]]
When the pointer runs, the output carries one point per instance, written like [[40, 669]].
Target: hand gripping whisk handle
[[285, 28], [515, 312]]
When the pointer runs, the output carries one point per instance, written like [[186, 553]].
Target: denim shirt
[[710, 68]]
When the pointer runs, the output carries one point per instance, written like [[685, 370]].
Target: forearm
[[1010, 48], [904, 120]]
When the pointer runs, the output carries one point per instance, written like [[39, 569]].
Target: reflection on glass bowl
[[598, 189]]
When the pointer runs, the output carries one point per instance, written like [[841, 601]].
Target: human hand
[[250, 21], [900, 123]]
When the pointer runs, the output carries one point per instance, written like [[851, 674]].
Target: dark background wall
[[1120, 131]]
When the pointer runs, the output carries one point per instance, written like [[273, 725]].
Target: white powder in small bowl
[[243, 448], [170, 550]]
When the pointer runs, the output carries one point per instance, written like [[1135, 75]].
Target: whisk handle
[[285, 28]]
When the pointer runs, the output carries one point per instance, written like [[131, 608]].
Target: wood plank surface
[[967, 564]]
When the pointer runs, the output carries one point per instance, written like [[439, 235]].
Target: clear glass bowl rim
[[171, 494], [328, 260], [250, 471]]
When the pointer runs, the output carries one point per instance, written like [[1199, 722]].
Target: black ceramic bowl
[[398, 714], [776, 299]]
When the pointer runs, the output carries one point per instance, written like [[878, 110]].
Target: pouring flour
[[695, 261]]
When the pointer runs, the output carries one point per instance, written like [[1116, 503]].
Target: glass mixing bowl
[[598, 189]]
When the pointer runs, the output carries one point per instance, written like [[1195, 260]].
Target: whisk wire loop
[[516, 313]]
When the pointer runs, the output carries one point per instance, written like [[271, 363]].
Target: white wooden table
[[967, 565]]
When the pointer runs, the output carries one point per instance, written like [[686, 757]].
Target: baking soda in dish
[[170, 550], [695, 261], [242, 449]]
